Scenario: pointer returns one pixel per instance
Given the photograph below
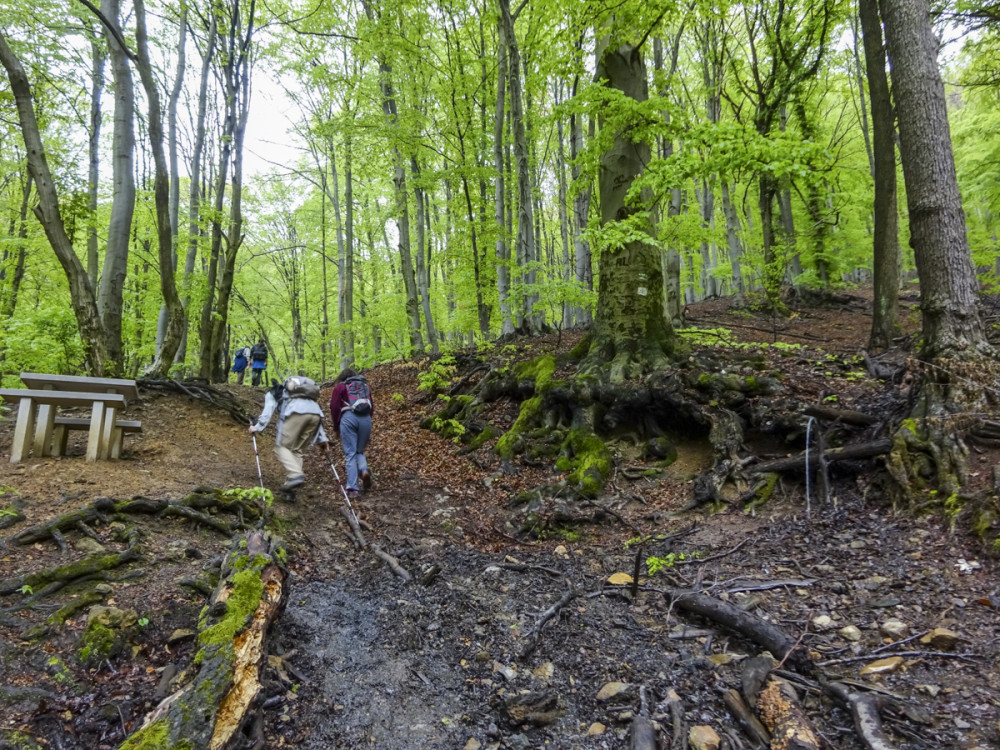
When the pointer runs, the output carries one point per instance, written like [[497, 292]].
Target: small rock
[[545, 671], [473, 744], [596, 728], [894, 629], [88, 546], [931, 690], [612, 689], [941, 638], [561, 551], [822, 622], [858, 544], [103, 588], [703, 737], [883, 666], [962, 724], [181, 634], [850, 633], [721, 659]]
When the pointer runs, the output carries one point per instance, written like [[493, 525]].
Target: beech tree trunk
[[112, 282], [500, 193], [629, 330], [97, 57], [161, 187], [885, 315], [47, 211], [948, 290]]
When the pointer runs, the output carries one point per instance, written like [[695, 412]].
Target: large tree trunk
[[885, 316], [948, 292], [500, 208], [97, 57], [583, 267], [161, 187], [47, 211], [348, 333], [112, 282], [629, 329], [525, 247], [733, 241], [195, 233], [422, 274]]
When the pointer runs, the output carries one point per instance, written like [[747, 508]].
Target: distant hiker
[[300, 423], [352, 407], [240, 363], [258, 361]]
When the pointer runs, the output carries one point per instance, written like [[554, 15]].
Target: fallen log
[[864, 709], [223, 697], [763, 633], [848, 452], [790, 728], [847, 416]]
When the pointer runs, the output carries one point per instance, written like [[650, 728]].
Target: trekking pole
[[346, 496], [253, 436]]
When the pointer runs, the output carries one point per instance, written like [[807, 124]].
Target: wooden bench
[[63, 425], [36, 419], [110, 436]]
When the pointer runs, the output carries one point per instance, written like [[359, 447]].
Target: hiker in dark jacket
[[352, 408], [258, 361], [300, 423]]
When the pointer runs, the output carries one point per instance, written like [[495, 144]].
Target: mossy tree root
[[192, 507], [223, 698], [86, 566]]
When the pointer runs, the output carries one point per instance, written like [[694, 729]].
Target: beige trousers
[[297, 433]]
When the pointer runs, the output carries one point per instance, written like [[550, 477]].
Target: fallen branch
[[391, 561], [749, 723], [864, 709], [531, 639], [790, 728], [847, 453], [763, 633], [847, 416], [947, 655]]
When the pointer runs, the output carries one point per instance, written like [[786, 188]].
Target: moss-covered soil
[[369, 661]]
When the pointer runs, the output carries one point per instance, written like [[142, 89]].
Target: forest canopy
[[446, 173]]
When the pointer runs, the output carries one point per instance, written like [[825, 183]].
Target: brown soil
[[379, 663]]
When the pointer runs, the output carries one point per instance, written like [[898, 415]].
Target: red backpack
[[359, 396]]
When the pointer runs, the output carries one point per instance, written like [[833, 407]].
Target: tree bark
[[47, 211], [948, 290], [885, 315], [164, 227], [112, 283], [500, 194], [629, 329], [97, 57]]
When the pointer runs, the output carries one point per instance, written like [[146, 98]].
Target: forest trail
[[362, 659]]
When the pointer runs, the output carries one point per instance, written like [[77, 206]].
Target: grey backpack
[[299, 386]]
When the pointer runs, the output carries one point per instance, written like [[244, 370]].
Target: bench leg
[[60, 436], [22, 430], [44, 422], [117, 438], [108, 431], [96, 431]]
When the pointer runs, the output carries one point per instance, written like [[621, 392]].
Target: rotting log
[[789, 726], [223, 697], [848, 452], [746, 719], [763, 633]]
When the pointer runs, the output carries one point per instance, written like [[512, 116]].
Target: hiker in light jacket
[[300, 423], [354, 423]]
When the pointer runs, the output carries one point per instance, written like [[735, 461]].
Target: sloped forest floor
[[506, 639]]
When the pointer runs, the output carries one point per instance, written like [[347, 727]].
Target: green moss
[[241, 604], [19, 741], [154, 737], [540, 369], [763, 494], [529, 410], [487, 434], [99, 643], [590, 461]]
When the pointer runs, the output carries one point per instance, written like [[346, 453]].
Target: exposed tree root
[[198, 388], [63, 573]]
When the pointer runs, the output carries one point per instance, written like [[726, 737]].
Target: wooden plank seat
[[36, 419], [63, 425]]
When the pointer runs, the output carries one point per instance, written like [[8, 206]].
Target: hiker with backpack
[[258, 361], [300, 424], [240, 363], [352, 407]]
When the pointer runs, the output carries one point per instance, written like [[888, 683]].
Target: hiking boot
[[293, 482], [366, 479], [352, 494]]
